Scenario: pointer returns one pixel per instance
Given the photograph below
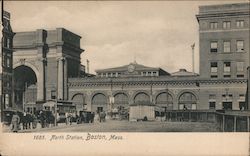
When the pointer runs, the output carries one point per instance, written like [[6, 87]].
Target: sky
[[116, 33]]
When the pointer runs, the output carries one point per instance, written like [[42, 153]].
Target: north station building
[[47, 68]]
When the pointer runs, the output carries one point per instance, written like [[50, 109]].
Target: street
[[126, 126]]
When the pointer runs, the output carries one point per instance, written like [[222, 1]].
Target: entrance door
[[99, 109], [227, 105]]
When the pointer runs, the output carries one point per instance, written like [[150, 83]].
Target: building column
[[60, 78], [41, 80]]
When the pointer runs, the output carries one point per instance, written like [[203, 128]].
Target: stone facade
[[49, 54]]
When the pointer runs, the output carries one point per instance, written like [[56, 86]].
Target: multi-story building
[[6, 74], [224, 41]]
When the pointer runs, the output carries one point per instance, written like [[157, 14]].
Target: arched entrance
[[25, 88], [79, 101], [121, 100], [164, 100], [99, 103], [142, 98], [187, 100]]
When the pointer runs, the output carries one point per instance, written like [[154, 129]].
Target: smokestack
[[192, 46], [87, 66]]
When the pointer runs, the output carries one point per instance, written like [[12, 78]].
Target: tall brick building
[[6, 72]]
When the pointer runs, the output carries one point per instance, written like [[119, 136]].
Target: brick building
[[6, 74]]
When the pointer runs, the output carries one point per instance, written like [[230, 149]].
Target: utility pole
[[192, 46], [87, 66]]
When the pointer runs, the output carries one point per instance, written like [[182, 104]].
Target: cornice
[[79, 82]]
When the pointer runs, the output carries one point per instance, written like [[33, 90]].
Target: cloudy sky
[[114, 33]]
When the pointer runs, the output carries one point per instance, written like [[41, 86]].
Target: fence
[[225, 121]]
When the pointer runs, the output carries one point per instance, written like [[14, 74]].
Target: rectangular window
[[226, 24], [7, 99], [154, 73], [214, 67], [212, 97], [239, 46], [8, 43], [213, 25], [53, 94], [214, 76], [240, 66], [240, 23], [227, 46], [212, 105], [8, 61], [214, 46], [240, 75], [227, 67]]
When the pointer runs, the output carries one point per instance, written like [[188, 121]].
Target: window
[[226, 25], [154, 73], [240, 23], [8, 61], [214, 46], [213, 25], [227, 67], [239, 46], [149, 73], [8, 43], [214, 67], [212, 105], [214, 76], [212, 97], [53, 94], [227, 47], [7, 100], [240, 66]]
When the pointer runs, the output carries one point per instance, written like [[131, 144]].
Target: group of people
[[26, 120]]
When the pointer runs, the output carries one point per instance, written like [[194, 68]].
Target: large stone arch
[[187, 99], [39, 74]]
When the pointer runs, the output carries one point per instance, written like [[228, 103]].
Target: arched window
[[79, 101], [164, 100], [142, 98], [99, 99], [121, 99], [99, 102], [187, 100]]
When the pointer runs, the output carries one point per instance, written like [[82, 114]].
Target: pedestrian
[[15, 122]]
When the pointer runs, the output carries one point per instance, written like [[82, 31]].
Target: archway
[[25, 88], [164, 100], [99, 103], [79, 101], [187, 100], [142, 98]]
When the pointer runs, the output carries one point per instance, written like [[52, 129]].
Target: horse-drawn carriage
[[85, 117]]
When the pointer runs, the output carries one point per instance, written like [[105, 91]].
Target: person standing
[[15, 122]]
